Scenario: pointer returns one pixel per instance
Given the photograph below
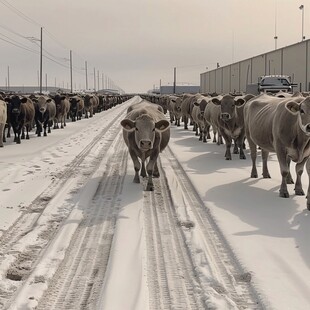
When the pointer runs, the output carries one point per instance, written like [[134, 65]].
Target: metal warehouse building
[[292, 60]]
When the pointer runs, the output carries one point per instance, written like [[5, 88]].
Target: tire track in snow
[[27, 225], [173, 283], [219, 271], [77, 282]]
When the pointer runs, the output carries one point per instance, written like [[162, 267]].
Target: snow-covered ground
[[76, 233]]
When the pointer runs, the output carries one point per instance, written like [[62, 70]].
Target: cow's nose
[[145, 144], [308, 127], [42, 110], [225, 116]]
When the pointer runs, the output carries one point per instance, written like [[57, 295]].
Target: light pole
[[275, 29], [302, 22]]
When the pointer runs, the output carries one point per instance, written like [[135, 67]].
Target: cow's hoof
[[227, 158], [254, 176], [266, 176], [45, 134], [299, 192], [284, 194], [150, 188], [242, 157]]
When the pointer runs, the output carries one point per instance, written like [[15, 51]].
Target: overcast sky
[[137, 43]]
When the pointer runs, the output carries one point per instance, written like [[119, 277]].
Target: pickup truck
[[275, 83]]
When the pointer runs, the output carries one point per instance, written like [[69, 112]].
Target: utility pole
[[8, 78], [102, 81], [98, 79], [41, 49], [71, 71], [45, 81], [174, 79], [94, 79], [86, 75]]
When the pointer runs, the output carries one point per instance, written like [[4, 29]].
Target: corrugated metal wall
[[291, 60]]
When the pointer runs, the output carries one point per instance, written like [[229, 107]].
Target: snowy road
[[76, 233]]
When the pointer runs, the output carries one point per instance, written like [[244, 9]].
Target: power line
[[19, 13], [8, 40]]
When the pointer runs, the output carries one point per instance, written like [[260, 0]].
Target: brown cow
[[146, 133], [280, 125], [62, 110]]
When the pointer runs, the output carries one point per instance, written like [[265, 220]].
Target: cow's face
[[15, 104], [145, 130], [302, 110], [42, 104], [228, 106]]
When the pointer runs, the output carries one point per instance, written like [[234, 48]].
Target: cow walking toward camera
[[146, 133]]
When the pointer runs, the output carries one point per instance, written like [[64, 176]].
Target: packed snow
[[51, 185]]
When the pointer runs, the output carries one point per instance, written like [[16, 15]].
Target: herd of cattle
[[277, 123], [23, 113]]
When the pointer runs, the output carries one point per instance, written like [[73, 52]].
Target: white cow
[[3, 117]]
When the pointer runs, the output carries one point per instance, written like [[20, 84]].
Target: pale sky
[[137, 43]]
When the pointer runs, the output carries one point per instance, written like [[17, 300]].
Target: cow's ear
[[63, 97], [216, 101], [162, 125], [128, 124], [239, 102], [7, 99], [49, 100], [292, 107], [24, 100]]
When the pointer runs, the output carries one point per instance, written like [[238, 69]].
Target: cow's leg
[[228, 141], [156, 173], [239, 143], [204, 134], [1, 134], [265, 155], [23, 133], [143, 171], [282, 159], [9, 132], [253, 151], [27, 132], [45, 126], [299, 171], [185, 122], [137, 166], [308, 193], [289, 179], [150, 168]]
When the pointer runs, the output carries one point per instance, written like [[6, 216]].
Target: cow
[[211, 117], [3, 118], [62, 110], [230, 122], [280, 125], [76, 108], [89, 102], [21, 110], [186, 108], [197, 114], [45, 112], [146, 133], [174, 107]]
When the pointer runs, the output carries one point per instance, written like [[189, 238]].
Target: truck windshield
[[274, 81]]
